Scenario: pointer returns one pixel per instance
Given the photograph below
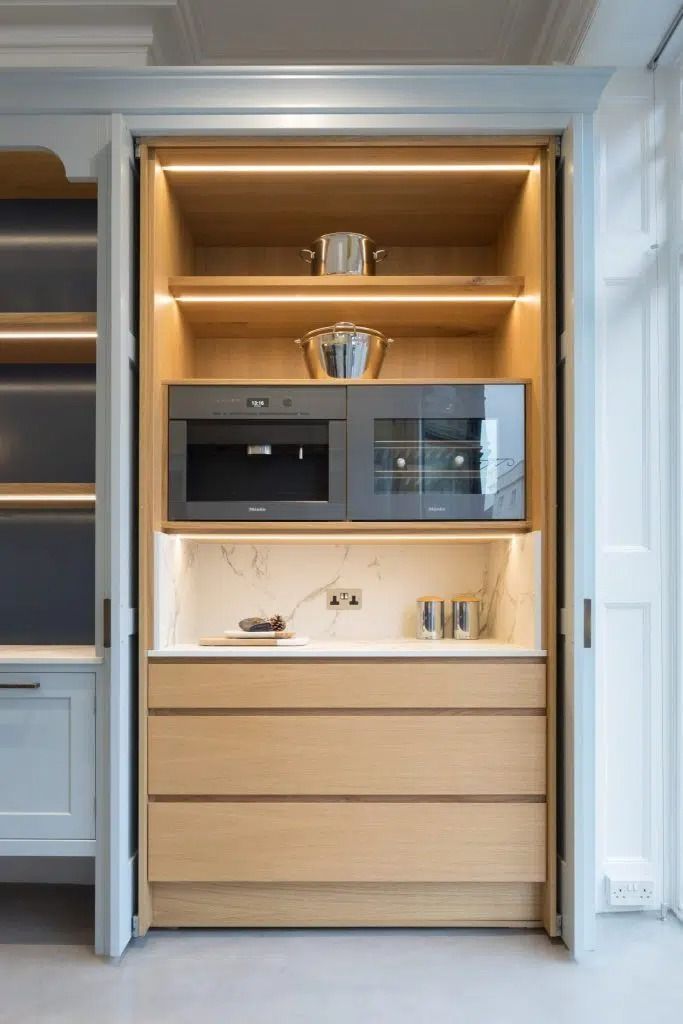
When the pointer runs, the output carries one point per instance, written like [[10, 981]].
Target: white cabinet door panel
[[47, 755]]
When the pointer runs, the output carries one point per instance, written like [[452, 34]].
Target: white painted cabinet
[[47, 757]]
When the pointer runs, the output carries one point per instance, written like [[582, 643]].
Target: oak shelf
[[346, 382], [20, 341], [346, 532], [410, 306]]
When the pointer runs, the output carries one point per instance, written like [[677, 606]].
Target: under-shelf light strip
[[458, 168], [47, 335], [342, 538], [345, 297], [32, 499]]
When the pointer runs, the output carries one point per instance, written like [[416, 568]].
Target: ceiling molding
[[77, 46], [563, 31], [92, 33], [134, 33]]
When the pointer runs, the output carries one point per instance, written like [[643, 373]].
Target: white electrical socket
[[630, 894]]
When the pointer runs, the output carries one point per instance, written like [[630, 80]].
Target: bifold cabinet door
[[47, 755]]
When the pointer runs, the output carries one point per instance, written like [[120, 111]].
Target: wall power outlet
[[344, 600], [630, 894]]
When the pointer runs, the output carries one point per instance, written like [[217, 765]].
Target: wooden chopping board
[[284, 640]]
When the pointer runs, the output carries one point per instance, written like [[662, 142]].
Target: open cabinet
[[467, 292]]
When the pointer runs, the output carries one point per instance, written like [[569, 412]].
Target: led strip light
[[344, 297], [28, 499], [46, 335], [348, 168], [342, 538]]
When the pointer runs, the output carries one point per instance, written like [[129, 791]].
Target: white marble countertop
[[41, 654], [359, 649]]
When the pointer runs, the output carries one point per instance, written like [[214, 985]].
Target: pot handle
[[307, 254], [379, 255]]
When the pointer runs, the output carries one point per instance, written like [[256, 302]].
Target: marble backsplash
[[513, 590], [206, 587]]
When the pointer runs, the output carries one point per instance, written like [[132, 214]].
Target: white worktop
[[45, 654], [359, 649]]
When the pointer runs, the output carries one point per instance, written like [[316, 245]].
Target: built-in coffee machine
[[250, 453]]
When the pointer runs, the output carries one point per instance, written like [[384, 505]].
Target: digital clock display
[[258, 403]]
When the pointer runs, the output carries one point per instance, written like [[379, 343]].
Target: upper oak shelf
[[415, 306]]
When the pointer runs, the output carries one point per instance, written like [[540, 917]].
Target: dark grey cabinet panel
[[47, 424], [47, 582], [48, 255]]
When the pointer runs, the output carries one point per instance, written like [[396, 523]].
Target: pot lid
[[343, 329], [345, 234]]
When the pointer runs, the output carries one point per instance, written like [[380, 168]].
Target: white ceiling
[[627, 33], [291, 31], [388, 31], [128, 33]]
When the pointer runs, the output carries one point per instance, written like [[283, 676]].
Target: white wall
[[637, 483]]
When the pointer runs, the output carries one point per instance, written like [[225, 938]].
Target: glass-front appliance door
[[449, 452], [247, 453]]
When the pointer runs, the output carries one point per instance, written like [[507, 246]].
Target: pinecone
[[277, 623]]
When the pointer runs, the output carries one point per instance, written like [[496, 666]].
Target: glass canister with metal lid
[[431, 615], [465, 617]]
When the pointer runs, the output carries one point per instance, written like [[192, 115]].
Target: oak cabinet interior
[[381, 813]]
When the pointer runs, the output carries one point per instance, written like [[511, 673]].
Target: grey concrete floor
[[351, 977]]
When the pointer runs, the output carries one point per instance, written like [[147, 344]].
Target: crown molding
[[302, 91], [49, 46], [172, 32], [95, 33]]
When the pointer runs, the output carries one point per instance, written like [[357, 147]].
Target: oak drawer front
[[357, 683], [371, 841], [371, 754]]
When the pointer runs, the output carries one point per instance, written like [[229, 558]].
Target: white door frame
[[577, 872], [117, 739]]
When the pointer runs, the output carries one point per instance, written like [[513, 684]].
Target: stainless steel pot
[[343, 252], [344, 350]]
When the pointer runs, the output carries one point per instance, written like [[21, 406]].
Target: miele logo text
[[257, 508], [436, 508]]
